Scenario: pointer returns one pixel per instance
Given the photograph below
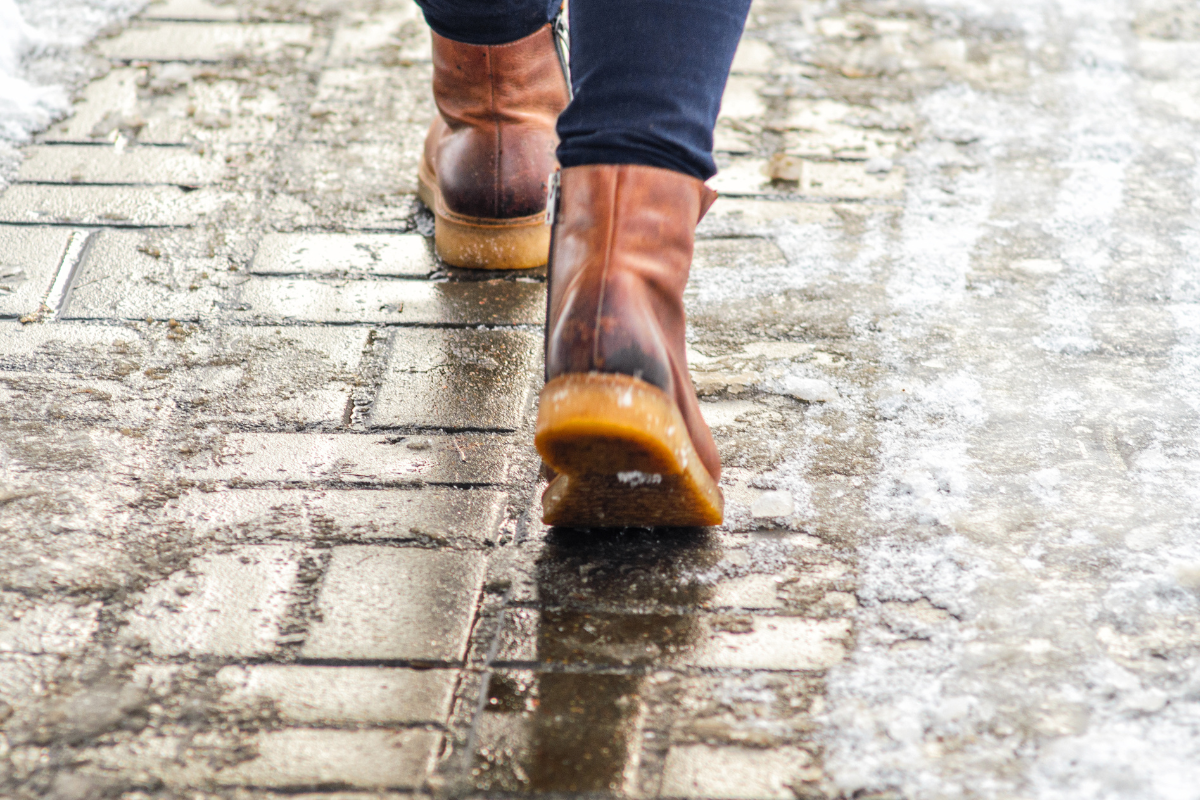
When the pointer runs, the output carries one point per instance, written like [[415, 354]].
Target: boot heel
[[624, 456], [478, 243]]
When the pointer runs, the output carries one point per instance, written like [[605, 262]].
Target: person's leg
[[648, 77], [487, 21], [499, 87], [618, 418]]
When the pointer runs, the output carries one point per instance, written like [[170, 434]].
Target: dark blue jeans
[[647, 74]]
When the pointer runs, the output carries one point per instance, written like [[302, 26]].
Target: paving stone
[[722, 254], [397, 302], [428, 514], [282, 378], [227, 111], [62, 347], [24, 678], [333, 695], [43, 629], [753, 57], [737, 641], [109, 205], [227, 604], [476, 379], [843, 142], [396, 603], [388, 254], [137, 275], [190, 10], [736, 773], [311, 758], [731, 215], [388, 36], [104, 164], [386, 104], [306, 458], [741, 99], [113, 96], [350, 176], [203, 41], [29, 259], [847, 180], [758, 642]]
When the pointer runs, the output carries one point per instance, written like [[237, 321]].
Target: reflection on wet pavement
[[613, 606]]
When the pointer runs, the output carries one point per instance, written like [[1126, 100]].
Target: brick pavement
[[270, 500]]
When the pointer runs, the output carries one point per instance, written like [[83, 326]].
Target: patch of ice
[[809, 390], [771, 505]]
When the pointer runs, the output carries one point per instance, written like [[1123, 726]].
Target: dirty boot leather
[[621, 252], [490, 150]]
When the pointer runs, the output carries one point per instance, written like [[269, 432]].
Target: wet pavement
[[268, 502]]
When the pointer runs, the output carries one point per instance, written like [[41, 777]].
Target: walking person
[[632, 130]]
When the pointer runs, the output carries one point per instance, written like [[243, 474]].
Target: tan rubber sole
[[481, 243], [623, 455]]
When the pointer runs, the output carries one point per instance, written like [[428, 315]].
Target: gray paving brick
[[227, 604], [306, 458], [135, 275], [264, 376], [736, 773], [396, 603], [737, 253], [741, 99], [388, 36], [42, 629], [291, 377], [63, 347], [365, 103], [351, 175], [834, 179], [311, 758], [114, 95], [390, 254], [415, 302], [191, 10], [458, 379], [203, 41], [109, 205], [333, 695], [788, 643], [104, 164], [428, 514], [737, 641], [29, 259], [223, 111], [732, 215], [753, 57]]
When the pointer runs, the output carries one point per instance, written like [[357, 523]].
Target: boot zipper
[[562, 40]]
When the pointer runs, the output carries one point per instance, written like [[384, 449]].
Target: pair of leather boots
[[618, 420]]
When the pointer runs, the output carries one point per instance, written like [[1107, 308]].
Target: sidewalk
[[268, 500]]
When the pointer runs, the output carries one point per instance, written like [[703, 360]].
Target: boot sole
[[480, 242], [623, 455]]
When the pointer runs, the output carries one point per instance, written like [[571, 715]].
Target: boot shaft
[[620, 253], [491, 85], [620, 256]]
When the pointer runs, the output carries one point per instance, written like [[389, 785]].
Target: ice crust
[[1031, 627]]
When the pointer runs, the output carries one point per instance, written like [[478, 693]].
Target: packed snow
[[42, 60]]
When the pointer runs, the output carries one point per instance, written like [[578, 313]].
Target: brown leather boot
[[490, 150], [618, 418]]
